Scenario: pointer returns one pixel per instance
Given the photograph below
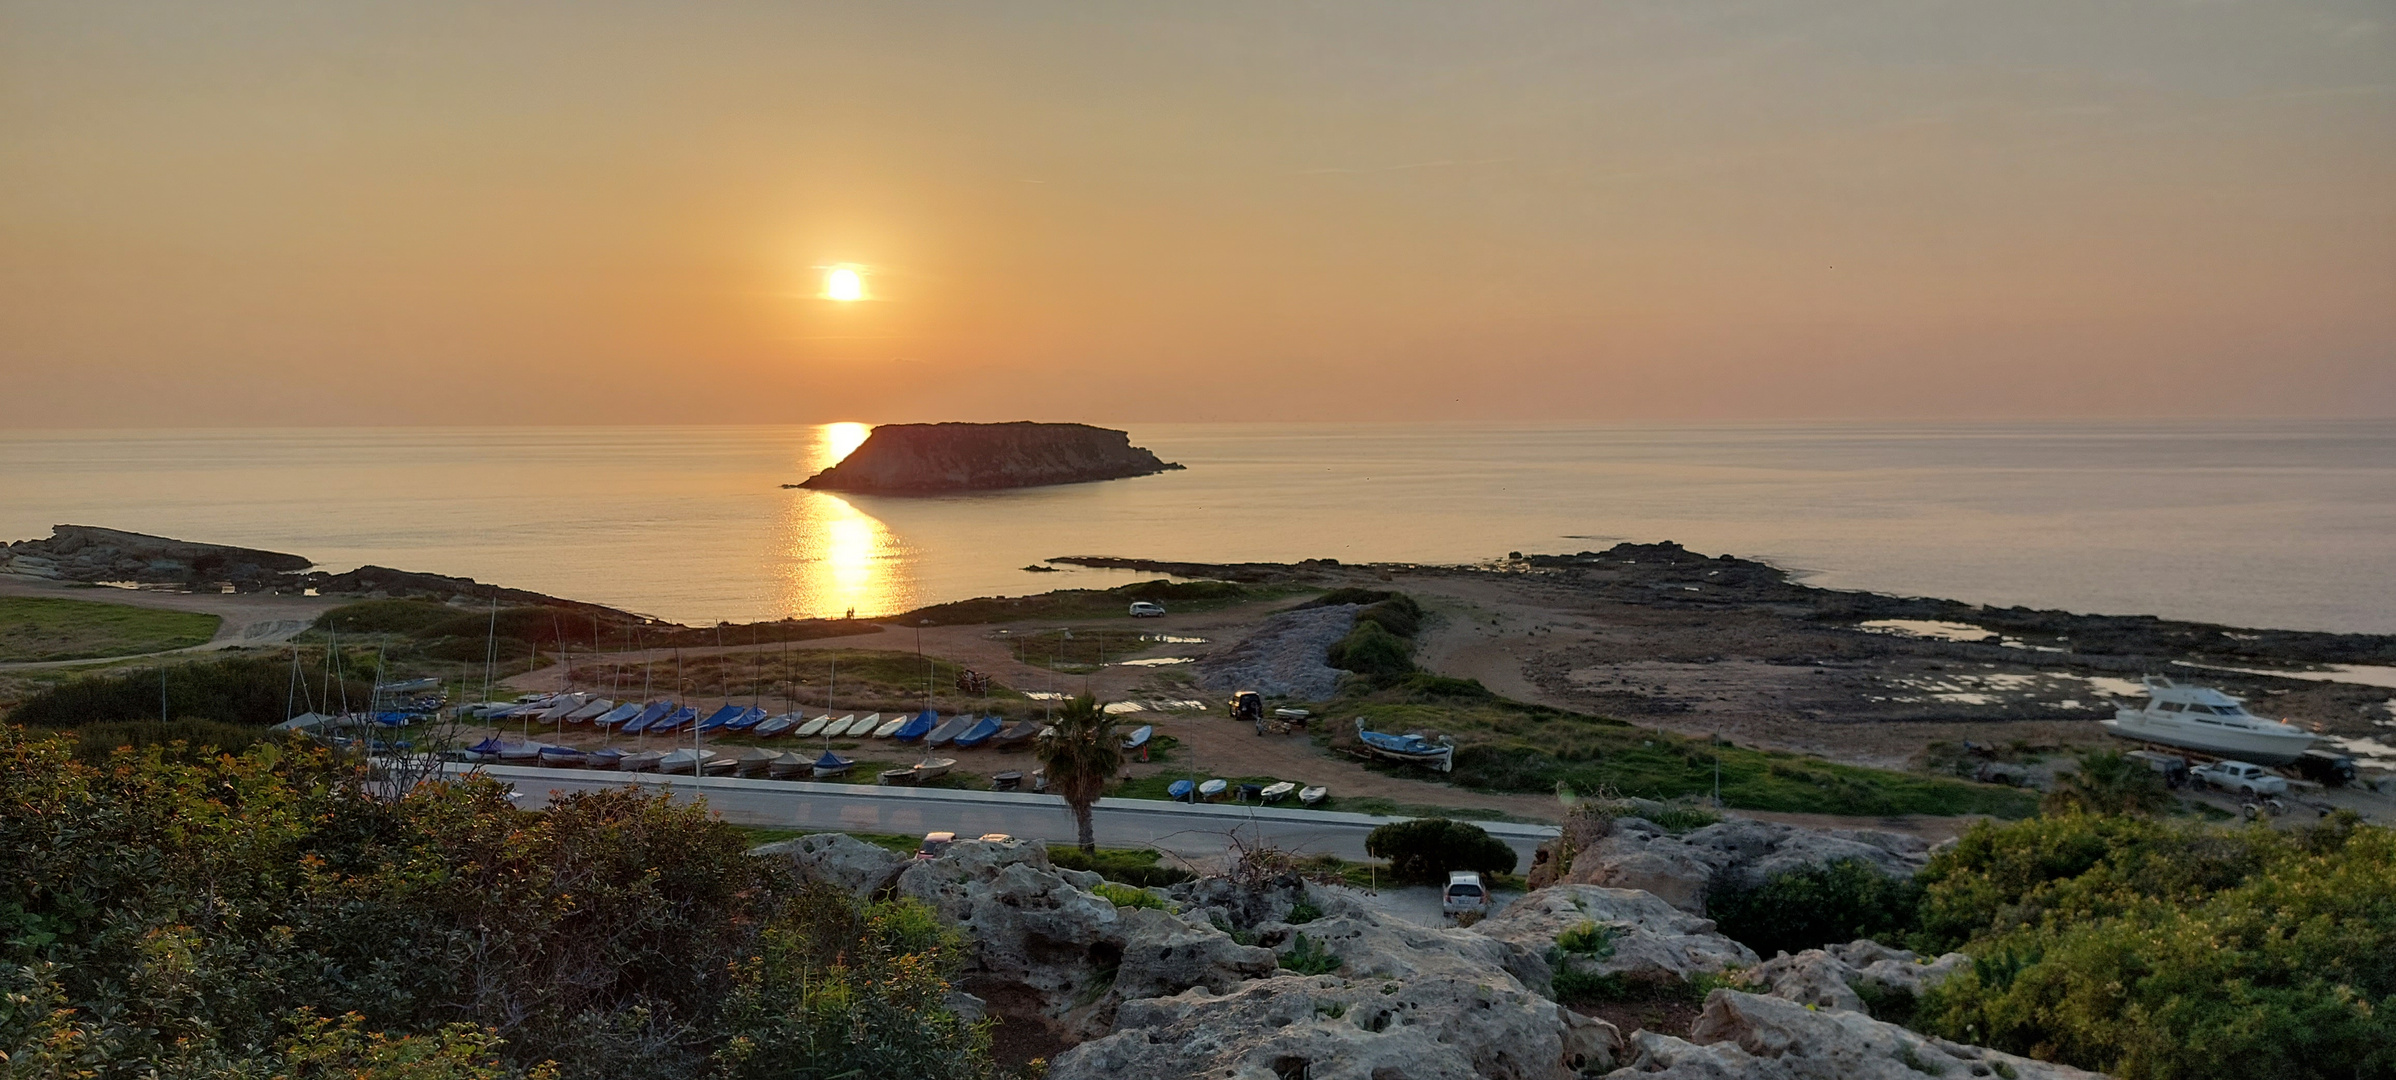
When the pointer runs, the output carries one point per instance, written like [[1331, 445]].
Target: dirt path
[[250, 619]]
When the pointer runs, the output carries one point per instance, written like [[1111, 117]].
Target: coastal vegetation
[[236, 690], [258, 914], [38, 628], [1090, 603], [1423, 850]]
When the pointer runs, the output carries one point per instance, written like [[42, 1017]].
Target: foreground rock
[[1838, 977], [927, 459], [1645, 940], [1409, 1001], [1633, 853], [839, 860], [1034, 925], [1284, 657], [1750, 1037]]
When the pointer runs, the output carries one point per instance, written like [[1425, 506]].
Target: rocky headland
[[932, 459]]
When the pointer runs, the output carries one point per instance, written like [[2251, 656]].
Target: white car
[[2241, 778], [1465, 892], [1142, 609]]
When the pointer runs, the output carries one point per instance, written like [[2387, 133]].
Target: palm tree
[[2107, 782], [1081, 753]]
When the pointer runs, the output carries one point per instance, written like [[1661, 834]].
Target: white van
[[1465, 892], [1142, 609]]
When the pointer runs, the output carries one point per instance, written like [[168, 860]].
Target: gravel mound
[[1284, 657]]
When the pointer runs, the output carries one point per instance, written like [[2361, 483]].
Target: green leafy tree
[[1082, 755], [1425, 849], [2107, 782]]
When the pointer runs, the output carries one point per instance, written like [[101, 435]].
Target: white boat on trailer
[[2208, 721]]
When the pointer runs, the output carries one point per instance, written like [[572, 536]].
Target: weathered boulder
[[1034, 924], [1649, 940], [839, 859], [1633, 853], [1831, 978], [1749, 1037]]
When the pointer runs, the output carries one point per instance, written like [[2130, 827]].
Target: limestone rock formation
[[839, 859], [1039, 926], [1831, 978], [1647, 940], [1749, 1037], [1633, 853], [928, 459]]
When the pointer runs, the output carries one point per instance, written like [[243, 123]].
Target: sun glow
[[842, 438], [844, 283]]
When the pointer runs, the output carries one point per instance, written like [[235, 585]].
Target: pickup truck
[[2239, 777]]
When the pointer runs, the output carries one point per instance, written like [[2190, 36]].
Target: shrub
[[1588, 939], [1370, 649], [1425, 849], [95, 743], [1124, 896], [238, 690], [2107, 782], [1820, 905], [1309, 957]]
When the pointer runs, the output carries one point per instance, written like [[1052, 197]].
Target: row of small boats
[[691, 760], [666, 717], [1195, 791]]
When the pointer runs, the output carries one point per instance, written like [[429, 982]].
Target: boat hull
[[2255, 747]]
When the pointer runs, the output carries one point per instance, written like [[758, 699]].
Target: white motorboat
[[2208, 721], [1276, 792]]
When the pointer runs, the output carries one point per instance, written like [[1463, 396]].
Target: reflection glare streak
[[840, 559]]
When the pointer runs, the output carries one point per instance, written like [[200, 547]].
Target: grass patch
[[1510, 746], [1138, 868], [35, 628], [1309, 957], [1125, 896]]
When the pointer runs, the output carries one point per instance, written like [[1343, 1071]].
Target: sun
[[844, 283]]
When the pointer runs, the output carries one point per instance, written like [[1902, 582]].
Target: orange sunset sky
[[330, 212]]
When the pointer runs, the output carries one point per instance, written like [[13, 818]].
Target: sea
[[2285, 524]]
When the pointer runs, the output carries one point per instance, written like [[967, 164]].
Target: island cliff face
[[928, 459]]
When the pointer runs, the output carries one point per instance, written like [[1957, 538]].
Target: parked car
[[2331, 769], [1465, 892], [1142, 609], [2240, 777], [934, 843], [2171, 767]]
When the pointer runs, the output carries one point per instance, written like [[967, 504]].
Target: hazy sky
[[309, 212]]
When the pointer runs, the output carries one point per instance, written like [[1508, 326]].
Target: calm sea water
[[2282, 524]]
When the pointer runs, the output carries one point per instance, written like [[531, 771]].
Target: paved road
[[1190, 831]]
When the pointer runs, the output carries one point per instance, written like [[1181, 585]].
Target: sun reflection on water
[[838, 559]]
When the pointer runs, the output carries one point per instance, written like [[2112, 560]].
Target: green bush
[[1425, 849], [2273, 956], [1589, 939], [168, 905], [94, 743], [1822, 905], [237, 690], [1309, 957], [1370, 649], [2107, 782]]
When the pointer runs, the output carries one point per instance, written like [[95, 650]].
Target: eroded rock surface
[[839, 859], [1832, 978], [1751, 1037], [1645, 939], [1633, 853]]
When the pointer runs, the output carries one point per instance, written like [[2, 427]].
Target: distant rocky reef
[[932, 459], [92, 554]]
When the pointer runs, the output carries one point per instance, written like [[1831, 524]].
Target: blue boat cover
[[917, 728], [487, 746], [656, 711], [721, 717], [747, 719], [1180, 789], [980, 731], [681, 716], [831, 760]]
